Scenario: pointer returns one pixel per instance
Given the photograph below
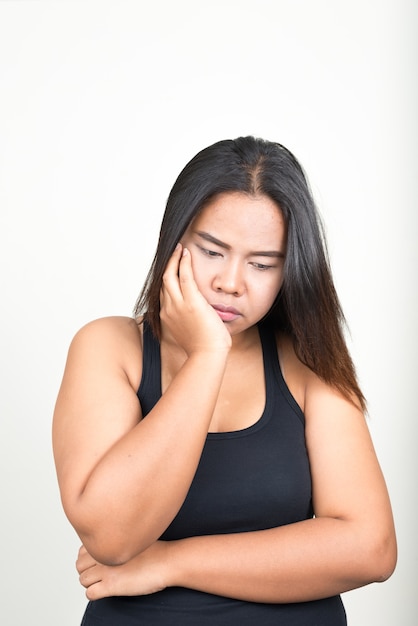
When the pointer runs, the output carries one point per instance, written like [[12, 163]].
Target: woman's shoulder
[[114, 339], [310, 391], [112, 331]]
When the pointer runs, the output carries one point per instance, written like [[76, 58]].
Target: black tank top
[[251, 479]]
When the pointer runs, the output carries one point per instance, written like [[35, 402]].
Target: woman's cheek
[[200, 271], [268, 289]]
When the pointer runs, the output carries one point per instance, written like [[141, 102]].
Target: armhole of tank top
[[150, 358], [141, 386], [269, 344]]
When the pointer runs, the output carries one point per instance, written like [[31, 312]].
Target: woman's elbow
[[104, 540], [382, 558], [110, 548], [387, 562], [107, 554]]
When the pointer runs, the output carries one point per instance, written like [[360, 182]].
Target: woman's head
[[258, 168]]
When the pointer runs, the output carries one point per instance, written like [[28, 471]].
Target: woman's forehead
[[235, 216]]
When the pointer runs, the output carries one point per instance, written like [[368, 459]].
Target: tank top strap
[[275, 382], [149, 391]]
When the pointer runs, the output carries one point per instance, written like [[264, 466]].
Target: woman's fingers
[[90, 576], [178, 279], [186, 279], [84, 560], [171, 274], [186, 314]]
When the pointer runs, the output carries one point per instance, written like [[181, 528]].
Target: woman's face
[[238, 245]]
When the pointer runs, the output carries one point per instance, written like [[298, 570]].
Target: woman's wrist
[[172, 569]]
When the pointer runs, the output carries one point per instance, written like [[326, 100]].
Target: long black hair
[[307, 307]]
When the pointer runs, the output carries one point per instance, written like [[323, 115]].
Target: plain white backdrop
[[101, 105]]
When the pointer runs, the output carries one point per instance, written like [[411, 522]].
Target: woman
[[212, 453]]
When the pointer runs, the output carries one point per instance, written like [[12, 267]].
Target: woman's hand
[[142, 575], [190, 320]]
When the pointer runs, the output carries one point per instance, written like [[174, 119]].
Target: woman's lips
[[226, 313]]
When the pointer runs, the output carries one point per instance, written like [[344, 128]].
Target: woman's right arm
[[123, 479]]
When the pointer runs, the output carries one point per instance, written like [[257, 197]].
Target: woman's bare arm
[[123, 479]]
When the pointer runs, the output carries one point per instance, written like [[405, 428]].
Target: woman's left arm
[[349, 543]]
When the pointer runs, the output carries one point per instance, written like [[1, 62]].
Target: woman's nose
[[230, 279]]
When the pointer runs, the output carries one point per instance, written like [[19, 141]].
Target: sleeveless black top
[[251, 479]]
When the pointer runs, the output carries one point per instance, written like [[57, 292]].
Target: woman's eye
[[261, 266], [209, 252]]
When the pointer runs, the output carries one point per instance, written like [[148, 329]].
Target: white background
[[101, 105]]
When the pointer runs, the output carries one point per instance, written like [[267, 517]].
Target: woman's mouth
[[226, 313]]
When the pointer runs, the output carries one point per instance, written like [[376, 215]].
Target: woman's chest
[[247, 480]]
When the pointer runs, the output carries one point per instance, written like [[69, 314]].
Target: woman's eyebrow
[[277, 254], [211, 239]]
